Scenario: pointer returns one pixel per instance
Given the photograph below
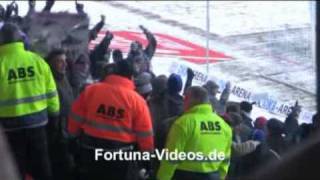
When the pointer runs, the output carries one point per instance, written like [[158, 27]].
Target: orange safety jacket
[[112, 110]]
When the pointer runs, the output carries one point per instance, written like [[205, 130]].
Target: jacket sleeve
[[176, 140], [51, 93], [77, 116], [95, 30], [224, 96], [241, 149], [142, 126], [100, 50], [224, 166], [152, 45]]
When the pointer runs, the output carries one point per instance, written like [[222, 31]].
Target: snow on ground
[[233, 17], [263, 46]]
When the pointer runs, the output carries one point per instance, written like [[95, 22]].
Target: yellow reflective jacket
[[26, 84], [202, 132]]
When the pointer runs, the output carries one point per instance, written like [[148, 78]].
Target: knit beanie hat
[[143, 83], [174, 83], [159, 84], [260, 122], [246, 106], [275, 126]]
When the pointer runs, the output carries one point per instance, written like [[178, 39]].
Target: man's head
[[233, 107], [212, 88], [260, 122], [235, 121], [57, 60], [135, 46], [174, 84], [9, 33], [246, 106], [117, 55], [159, 85], [275, 127], [107, 70], [143, 84], [125, 69], [195, 95]]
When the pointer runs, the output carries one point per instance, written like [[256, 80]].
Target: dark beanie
[[174, 83], [124, 68], [275, 126], [159, 84], [246, 106]]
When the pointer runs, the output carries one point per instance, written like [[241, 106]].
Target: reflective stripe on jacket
[[198, 131], [26, 84], [112, 110]]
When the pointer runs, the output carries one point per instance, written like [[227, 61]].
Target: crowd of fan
[[255, 142]]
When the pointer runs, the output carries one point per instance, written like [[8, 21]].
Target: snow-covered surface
[[264, 62], [233, 17]]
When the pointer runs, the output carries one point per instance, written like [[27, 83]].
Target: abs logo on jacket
[[21, 74], [209, 127], [110, 112]]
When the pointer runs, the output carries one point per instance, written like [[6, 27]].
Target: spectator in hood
[[143, 85], [79, 72], [175, 100], [218, 105], [142, 57]]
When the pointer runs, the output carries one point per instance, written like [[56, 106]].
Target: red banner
[[168, 46]]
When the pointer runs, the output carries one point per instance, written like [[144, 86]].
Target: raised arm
[[152, 43]]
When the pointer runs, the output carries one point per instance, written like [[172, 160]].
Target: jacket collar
[[201, 108], [11, 47], [119, 81]]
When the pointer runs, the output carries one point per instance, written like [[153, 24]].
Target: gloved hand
[[190, 73], [143, 29], [102, 18], [109, 35], [296, 109], [146, 31]]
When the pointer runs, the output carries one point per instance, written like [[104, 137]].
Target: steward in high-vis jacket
[[198, 131], [28, 99], [110, 115]]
